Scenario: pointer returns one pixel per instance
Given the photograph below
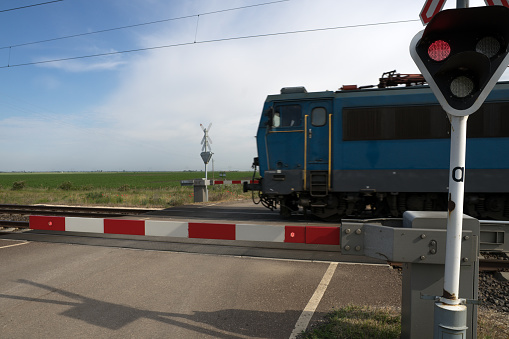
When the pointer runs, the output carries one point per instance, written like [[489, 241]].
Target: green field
[[110, 180], [127, 189]]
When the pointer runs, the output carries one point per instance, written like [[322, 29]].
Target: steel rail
[[493, 265], [68, 210], [14, 224]]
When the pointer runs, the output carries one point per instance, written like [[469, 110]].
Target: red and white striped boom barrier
[[317, 235]]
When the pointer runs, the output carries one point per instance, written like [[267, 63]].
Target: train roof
[[300, 93]]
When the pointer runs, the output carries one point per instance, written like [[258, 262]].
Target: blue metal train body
[[343, 153]]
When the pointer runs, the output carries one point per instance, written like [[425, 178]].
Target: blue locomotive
[[380, 151]]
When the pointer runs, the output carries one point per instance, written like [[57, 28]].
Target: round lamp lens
[[439, 50], [462, 86], [488, 46]]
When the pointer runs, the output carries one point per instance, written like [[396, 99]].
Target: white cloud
[[166, 94]]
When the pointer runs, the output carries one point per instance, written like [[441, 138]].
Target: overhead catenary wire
[[211, 41], [144, 23], [27, 6]]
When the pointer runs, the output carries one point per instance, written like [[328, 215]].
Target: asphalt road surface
[[104, 290]]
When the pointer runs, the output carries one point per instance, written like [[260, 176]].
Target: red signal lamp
[[439, 50]]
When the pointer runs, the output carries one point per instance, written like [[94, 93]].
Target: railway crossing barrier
[[317, 235], [418, 242], [494, 236], [200, 186]]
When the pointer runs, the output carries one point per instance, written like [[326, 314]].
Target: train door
[[318, 147], [285, 137]]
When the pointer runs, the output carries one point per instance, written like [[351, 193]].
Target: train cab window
[[287, 116], [276, 120], [318, 116]]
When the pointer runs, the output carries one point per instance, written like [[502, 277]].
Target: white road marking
[[309, 310], [21, 243]]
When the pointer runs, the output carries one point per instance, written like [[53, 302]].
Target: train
[[377, 152]]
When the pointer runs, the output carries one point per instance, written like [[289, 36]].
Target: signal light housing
[[462, 53]]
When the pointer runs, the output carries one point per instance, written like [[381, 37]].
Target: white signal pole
[[450, 310], [455, 218], [462, 3], [461, 86]]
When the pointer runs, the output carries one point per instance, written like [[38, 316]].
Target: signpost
[[206, 151], [206, 154], [497, 3], [462, 53], [430, 8]]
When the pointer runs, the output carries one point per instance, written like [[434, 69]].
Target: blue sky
[[143, 110]]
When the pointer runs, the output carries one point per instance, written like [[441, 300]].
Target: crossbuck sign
[[432, 7]]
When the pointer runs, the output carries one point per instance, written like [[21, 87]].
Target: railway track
[[493, 265], [14, 224], [78, 211]]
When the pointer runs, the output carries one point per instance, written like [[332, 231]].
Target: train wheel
[[287, 206]]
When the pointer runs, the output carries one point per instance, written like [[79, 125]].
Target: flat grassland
[[125, 189]]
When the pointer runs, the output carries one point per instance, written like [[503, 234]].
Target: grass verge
[[357, 322], [122, 197], [123, 189], [364, 322]]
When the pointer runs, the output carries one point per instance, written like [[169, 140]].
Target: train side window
[[395, 123], [288, 116], [318, 116]]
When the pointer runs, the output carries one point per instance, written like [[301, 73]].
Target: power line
[[212, 41], [39, 4], [144, 23]]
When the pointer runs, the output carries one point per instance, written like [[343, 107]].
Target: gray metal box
[[417, 313]]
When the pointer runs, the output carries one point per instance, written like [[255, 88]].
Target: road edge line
[[22, 243], [309, 310]]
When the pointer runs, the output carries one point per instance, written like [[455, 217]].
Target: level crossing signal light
[[462, 53]]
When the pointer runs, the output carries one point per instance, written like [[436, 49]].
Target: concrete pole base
[[201, 193]]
